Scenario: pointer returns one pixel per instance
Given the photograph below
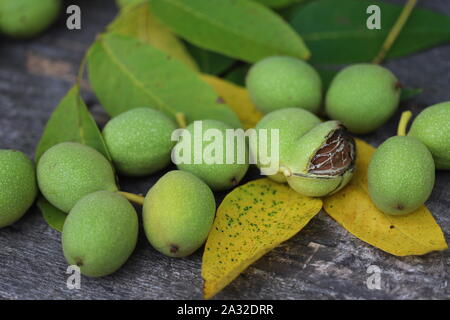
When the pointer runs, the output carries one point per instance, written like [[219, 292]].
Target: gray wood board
[[323, 261]]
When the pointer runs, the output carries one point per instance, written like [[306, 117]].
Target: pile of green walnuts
[[360, 98], [316, 158]]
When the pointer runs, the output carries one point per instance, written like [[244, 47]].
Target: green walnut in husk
[[139, 141], [17, 184], [323, 160], [100, 233], [27, 18], [69, 171], [401, 173], [363, 97], [432, 128], [292, 123], [178, 213], [284, 82]]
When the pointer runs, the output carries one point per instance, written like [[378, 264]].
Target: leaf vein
[[134, 80], [221, 25]]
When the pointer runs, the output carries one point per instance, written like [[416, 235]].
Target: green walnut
[[432, 127], [69, 171], [178, 213], [322, 161], [100, 233], [196, 153], [363, 97], [17, 184], [139, 141], [401, 175], [284, 82], [27, 18], [291, 123]]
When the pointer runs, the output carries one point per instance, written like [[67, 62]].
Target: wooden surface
[[322, 262]]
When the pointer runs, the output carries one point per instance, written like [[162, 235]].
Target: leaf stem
[[395, 31], [81, 69], [285, 171], [181, 119], [231, 68], [404, 120], [137, 199]]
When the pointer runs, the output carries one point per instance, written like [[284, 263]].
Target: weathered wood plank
[[322, 262]]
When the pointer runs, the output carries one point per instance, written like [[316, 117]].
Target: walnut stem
[[406, 116], [181, 119], [81, 69], [285, 171], [395, 31], [137, 199]]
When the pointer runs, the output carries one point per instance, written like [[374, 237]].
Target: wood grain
[[322, 262]]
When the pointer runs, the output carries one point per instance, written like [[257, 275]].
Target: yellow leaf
[[252, 220], [414, 234], [137, 21], [237, 98]]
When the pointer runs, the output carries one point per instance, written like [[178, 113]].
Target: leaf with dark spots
[[414, 234], [252, 220]]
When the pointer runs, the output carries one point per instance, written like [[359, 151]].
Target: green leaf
[[126, 73], [124, 3], [238, 75], [71, 121], [242, 29], [210, 62], [288, 12], [278, 4], [54, 217], [408, 93], [137, 21], [338, 33]]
